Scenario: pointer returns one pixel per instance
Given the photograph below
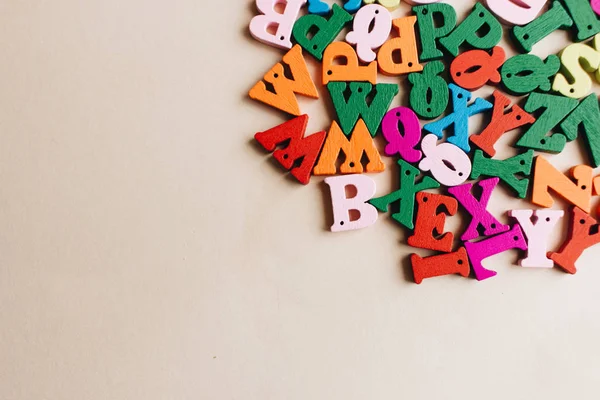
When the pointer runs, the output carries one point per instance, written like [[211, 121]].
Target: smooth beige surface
[[149, 250]]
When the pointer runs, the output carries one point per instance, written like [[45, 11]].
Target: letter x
[[459, 117], [477, 209], [406, 194]]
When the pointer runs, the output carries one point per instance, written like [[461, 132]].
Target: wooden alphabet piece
[[577, 60], [326, 30], [340, 64], [405, 195], [555, 109], [429, 95], [371, 29], [555, 18], [583, 233], [586, 22], [546, 177], [537, 227], [431, 218], [405, 44], [435, 21], [342, 205], [299, 149], [586, 118], [320, 7], [506, 170], [359, 143], [480, 30], [398, 143], [284, 21], [283, 95], [350, 110], [459, 118], [475, 68], [501, 123], [524, 73], [516, 13], [480, 216], [448, 164], [440, 265], [479, 251]]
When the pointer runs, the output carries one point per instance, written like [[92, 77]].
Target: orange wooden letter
[[431, 221], [350, 69], [501, 123], [443, 264], [359, 143], [547, 177], [583, 233], [283, 95], [405, 44]]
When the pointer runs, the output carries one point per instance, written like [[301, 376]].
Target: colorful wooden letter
[[478, 209], [284, 21], [506, 170], [577, 60], [398, 143], [537, 234], [355, 107], [516, 13], [525, 73], [326, 30], [459, 118], [547, 177], [360, 143], [340, 63], [583, 233], [501, 123], [555, 18], [586, 118], [283, 95], [479, 251], [299, 148], [556, 108], [342, 205], [586, 22], [372, 26], [429, 30], [405, 195], [474, 68], [480, 29], [448, 164], [429, 226], [429, 94], [405, 44], [443, 264]]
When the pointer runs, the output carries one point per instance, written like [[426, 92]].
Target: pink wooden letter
[[371, 29], [477, 209], [259, 26], [537, 234], [404, 145], [479, 251], [342, 205]]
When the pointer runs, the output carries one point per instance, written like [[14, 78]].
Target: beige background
[[149, 250]]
